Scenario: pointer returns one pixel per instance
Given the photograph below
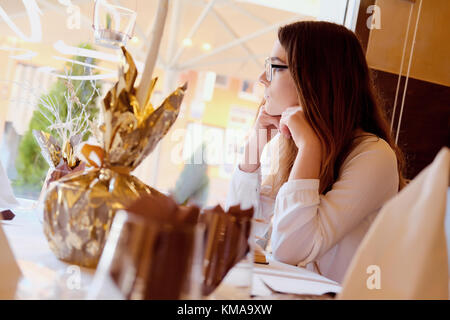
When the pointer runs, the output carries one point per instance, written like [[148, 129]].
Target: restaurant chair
[[404, 254]]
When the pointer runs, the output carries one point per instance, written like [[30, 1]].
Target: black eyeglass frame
[[269, 66]]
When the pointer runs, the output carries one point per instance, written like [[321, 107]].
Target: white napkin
[[404, 254], [7, 198], [9, 270], [284, 278]]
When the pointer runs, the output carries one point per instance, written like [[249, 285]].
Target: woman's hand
[[266, 123], [264, 129], [293, 124]]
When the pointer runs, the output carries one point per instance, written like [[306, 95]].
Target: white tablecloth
[[42, 271]]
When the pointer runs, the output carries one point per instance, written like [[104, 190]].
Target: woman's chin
[[272, 112]]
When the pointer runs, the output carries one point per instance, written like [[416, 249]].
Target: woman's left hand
[[293, 124], [307, 163]]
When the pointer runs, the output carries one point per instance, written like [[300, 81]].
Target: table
[[46, 277]]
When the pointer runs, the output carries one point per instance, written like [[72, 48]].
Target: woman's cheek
[[276, 107], [271, 107], [278, 101]]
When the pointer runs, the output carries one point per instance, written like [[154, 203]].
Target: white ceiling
[[244, 18]]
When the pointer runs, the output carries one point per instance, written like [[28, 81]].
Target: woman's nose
[[263, 80]]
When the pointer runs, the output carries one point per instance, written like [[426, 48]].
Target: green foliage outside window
[[31, 166]]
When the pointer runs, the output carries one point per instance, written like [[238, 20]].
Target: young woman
[[337, 162]]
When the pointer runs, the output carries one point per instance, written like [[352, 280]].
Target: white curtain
[[27, 87]]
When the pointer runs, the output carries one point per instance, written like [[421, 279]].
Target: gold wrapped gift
[[60, 163], [80, 207]]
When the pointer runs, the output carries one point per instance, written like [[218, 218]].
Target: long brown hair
[[335, 88]]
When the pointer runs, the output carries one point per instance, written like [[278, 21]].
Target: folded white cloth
[[7, 198], [404, 254]]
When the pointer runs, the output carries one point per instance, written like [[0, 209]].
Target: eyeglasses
[[269, 66]]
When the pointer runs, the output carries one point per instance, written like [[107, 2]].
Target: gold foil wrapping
[[50, 149], [61, 163], [226, 242], [156, 256], [55, 154], [79, 208], [162, 250], [130, 131]]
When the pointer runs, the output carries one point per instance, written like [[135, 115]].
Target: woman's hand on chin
[[293, 124], [264, 130]]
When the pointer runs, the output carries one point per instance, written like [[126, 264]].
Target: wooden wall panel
[[425, 126]]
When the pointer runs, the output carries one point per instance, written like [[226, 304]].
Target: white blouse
[[309, 227]]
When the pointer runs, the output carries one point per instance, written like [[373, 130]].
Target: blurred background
[[219, 47]]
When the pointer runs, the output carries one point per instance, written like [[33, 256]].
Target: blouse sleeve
[[245, 189], [306, 224]]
